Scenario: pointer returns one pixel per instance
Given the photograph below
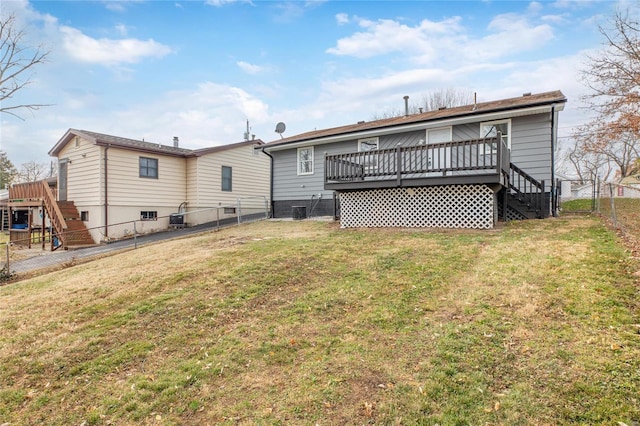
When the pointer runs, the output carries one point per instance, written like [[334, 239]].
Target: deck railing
[[526, 189], [40, 190], [438, 159]]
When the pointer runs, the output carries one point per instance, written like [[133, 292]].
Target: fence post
[[614, 219], [8, 262], [238, 211], [135, 235], [266, 208]]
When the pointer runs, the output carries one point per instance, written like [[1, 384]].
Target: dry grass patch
[[304, 323]]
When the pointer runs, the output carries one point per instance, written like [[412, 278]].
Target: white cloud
[[122, 29], [109, 51], [342, 18], [220, 3], [447, 40], [386, 36], [512, 34], [209, 115], [251, 68]]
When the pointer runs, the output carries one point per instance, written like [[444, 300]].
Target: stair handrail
[[55, 214], [530, 190]]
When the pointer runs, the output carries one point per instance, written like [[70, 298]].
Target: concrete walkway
[[60, 257]]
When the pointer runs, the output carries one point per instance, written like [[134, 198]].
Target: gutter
[[270, 179], [554, 135], [106, 197]]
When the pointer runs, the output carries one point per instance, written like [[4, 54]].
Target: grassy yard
[[536, 322]]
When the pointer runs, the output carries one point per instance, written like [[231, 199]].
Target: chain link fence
[[22, 242]]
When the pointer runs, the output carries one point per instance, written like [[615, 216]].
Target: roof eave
[[473, 116]]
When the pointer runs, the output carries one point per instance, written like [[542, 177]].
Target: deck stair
[[76, 233], [525, 196], [66, 226]]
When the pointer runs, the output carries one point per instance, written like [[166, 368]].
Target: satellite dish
[[280, 128]]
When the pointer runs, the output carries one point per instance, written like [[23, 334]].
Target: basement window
[[84, 216], [148, 215], [229, 210]]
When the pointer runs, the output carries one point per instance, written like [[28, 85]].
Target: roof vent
[[176, 141], [526, 94], [441, 108], [361, 122]]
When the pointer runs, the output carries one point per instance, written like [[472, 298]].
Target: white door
[[439, 158]]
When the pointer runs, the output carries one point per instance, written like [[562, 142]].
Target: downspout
[[554, 195], [270, 180], [106, 197]]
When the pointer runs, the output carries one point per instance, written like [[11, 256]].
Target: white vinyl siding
[[251, 175], [126, 188]]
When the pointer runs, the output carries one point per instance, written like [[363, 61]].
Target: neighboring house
[[583, 190], [632, 180], [107, 182], [454, 167]]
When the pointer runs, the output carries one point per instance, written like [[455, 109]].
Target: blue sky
[[199, 70]]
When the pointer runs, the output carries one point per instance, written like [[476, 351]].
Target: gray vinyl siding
[[530, 150], [288, 185], [531, 145]]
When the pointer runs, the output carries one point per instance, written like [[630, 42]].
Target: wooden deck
[[477, 161]]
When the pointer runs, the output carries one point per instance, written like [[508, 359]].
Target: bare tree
[[17, 61], [585, 164], [441, 98], [446, 98], [613, 77], [33, 171]]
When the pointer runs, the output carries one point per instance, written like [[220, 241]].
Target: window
[[84, 216], [226, 178], [369, 144], [305, 161], [442, 134], [149, 167], [370, 160], [491, 128], [229, 210], [149, 215]]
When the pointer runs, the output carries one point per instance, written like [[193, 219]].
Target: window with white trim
[[490, 129], [305, 160], [370, 161]]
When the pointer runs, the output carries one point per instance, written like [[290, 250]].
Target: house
[[461, 167], [113, 187]]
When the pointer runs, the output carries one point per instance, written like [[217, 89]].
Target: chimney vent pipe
[[406, 106], [176, 141]]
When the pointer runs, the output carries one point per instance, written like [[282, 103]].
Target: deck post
[[398, 165], [541, 200]]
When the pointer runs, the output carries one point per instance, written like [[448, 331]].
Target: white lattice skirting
[[453, 206]]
